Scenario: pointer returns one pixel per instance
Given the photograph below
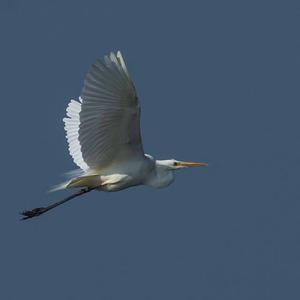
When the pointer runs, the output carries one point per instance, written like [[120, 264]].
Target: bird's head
[[173, 164]]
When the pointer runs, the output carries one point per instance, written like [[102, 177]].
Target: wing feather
[[72, 123], [104, 127]]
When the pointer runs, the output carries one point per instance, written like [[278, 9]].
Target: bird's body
[[103, 133], [117, 176], [145, 171]]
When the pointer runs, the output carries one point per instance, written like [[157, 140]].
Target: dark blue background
[[218, 82]]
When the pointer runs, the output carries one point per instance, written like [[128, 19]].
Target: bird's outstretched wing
[[103, 127]]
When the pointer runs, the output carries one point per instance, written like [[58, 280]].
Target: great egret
[[103, 133]]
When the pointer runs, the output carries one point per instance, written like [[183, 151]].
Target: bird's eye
[[175, 164]]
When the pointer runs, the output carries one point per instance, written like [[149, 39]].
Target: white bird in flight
[[103, 133]]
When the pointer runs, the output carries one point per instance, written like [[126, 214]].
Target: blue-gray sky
[[218, 82]]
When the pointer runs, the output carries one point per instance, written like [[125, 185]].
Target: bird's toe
[[33, 213]]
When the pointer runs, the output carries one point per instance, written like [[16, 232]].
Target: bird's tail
[[58, 187], [84, 181], [89, 181], [71, 175]]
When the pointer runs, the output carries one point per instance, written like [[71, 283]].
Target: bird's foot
[[27, 214]]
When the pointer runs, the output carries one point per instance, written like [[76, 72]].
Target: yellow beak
[[189, 164]]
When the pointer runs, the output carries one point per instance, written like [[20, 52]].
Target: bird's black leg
[[41, 210]]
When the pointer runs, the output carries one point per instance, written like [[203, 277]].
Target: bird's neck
[[160, 176]]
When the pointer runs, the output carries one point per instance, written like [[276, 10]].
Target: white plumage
[[103, 127], [103, 133], [72, 133]]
